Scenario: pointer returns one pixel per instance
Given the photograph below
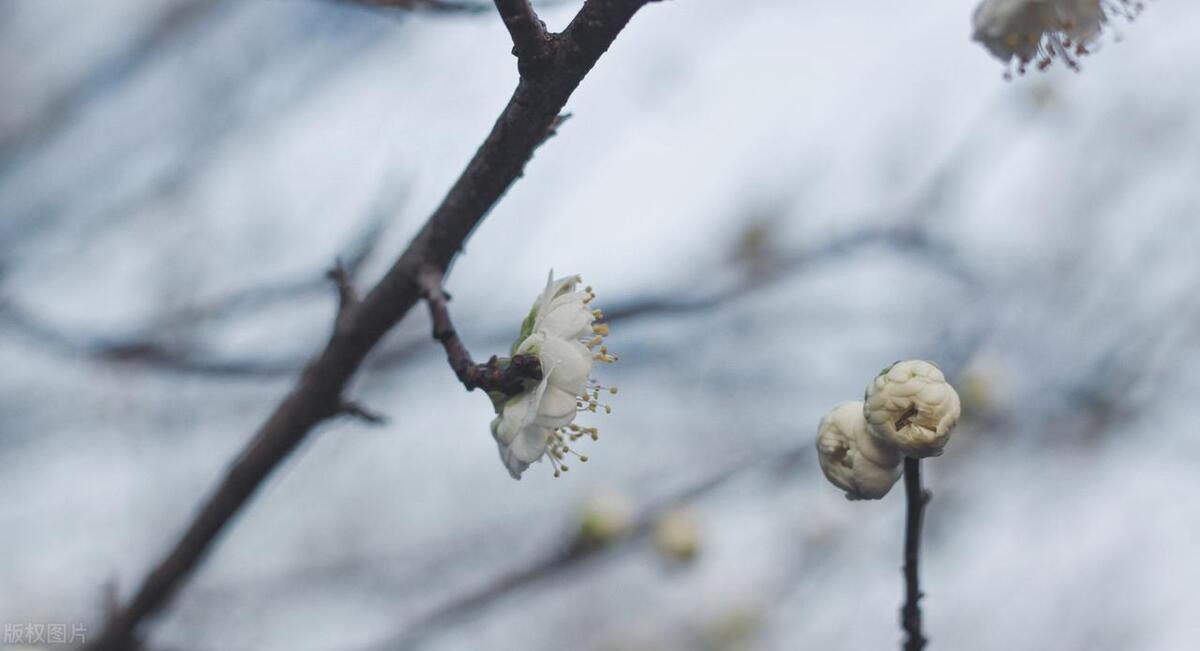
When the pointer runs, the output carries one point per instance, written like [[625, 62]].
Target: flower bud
[[677, 535], [911, 407], [851, 458]]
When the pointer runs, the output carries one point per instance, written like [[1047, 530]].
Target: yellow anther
[[601, 329]]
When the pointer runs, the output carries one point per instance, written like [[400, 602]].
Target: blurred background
[[773, 201]]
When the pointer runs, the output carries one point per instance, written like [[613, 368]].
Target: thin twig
[[363, 413], [506, 377], [910, 613], [317, 395]]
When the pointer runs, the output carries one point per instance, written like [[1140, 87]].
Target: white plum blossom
[[561, 331], [912, 408], [1043, 30], [851, 458]]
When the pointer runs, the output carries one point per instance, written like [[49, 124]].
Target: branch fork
[[532, 44]]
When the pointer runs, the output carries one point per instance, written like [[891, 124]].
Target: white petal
[[567, 364], [557, 408], [567, 320], [530, 445], [514, 466], [511, 419]]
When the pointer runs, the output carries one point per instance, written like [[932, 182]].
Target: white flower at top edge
[[1043, 30], [561, 331]]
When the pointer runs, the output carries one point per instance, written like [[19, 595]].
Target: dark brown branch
[[910, 613], [506, 377], [532, 45], [317, 396]]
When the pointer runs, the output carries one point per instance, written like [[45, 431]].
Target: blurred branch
[[145, 350], [317, 396], [103, 78], [917, 498], [432, 6], [507, 378], [908, 233], [578, 551], [902, 238]]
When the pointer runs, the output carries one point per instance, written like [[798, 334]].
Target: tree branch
[[317, 395], [532, 45], [505, 377], [910, 614]]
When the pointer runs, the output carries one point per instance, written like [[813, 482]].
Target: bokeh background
[[773, 198]]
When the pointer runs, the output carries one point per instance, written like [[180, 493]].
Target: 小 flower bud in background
[[851, 458], [677, 535], [910, 407], [604, 518]]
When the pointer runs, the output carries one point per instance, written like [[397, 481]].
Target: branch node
[[347, 295], [552, 130], [361, 412]]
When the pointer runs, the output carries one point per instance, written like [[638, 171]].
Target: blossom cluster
[[908, 410]]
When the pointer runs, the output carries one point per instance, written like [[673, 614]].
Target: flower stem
[[910, 613], [506, 378]]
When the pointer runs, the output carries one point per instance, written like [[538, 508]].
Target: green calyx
[[526, 329]]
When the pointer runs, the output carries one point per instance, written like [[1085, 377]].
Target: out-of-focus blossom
[[605, 518], [1045, 30], [851, 458], [912, 408], [677, 535]]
